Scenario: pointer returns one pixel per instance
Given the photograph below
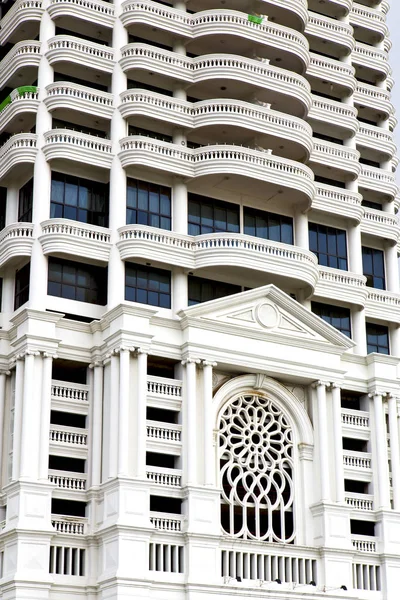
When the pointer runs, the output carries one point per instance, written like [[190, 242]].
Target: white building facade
[[199, 343]]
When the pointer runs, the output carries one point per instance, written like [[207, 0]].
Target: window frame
[[329, 318], [211, 205], [214, 286], [96, 276], [25, 202], [373, 277], [150, 218], [282, 220], [22, 276], [384, 330], [96, 192], [333, 260], [152, 290]]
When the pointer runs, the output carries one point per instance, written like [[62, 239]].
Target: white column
[[123, 429], [191, 420], [354, 249], [322, 421], [394, 449], [209, 457], [337, 437], [113, 417], [381, 468], [394, 334], [3, 453], [301, 230], [29, 434], [47, 363], [12, 205], [359, 334], [18, 398], [97, 423], [41, 171], [116, 267], [179, 206], [179, 289], [141, 401], [392, 268]]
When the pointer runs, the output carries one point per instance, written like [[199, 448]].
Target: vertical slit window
[[25, 203], [374, 267], [329, 244], [21, 295]]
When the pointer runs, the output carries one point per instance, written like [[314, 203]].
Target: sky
[[394, 25]]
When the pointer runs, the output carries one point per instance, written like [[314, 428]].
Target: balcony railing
[[364, 543], [355, 418], [359, 501], [69, 525], [357, 460], [68, 435], [68, 481], [164, 387], [62, 390], [165, 477], [163, 431], [165, 522]]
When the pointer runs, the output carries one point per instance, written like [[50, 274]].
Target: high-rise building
[[200, 307]]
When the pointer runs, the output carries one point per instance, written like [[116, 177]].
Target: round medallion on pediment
[[267, 315]]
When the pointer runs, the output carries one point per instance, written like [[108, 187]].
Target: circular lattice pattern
[[256, 467]]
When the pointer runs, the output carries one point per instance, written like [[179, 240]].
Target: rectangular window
[[377, 338], [267, 225], [147, 285], [329, 244], [79, 199], [202, 290], [374, 267], [25, 203], [22, 286], [77, 281], [337, 316], [206, 215], [148, 204]]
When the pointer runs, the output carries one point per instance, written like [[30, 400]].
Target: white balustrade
[[163, 432], [82, 141], [341, 277], [16, 230], [164, 387], [364, 544], [68, 436], [68, 228], [69, 525], [165, 477], [355, 418], [79, 92], [85, 48], [165, 522], [359, 501], [105, 8], [62, 390], [357, 460], [68, 481]]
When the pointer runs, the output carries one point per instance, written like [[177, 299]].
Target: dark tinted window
[[377, 338], [76, 281], [202, 290], [22, 286], [374, 267], [329, 244], [206, 215], [3, 205], [148, 285], [79, 199], [148, 204], [25, 203], [268, 225], [337, 316]]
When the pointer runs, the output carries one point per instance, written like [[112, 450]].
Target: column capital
[[208, 363], [142, 350], [96, 363], [376, 392], [320, 383], [5, 372], [49, 354], [190, 360], [335, 386]]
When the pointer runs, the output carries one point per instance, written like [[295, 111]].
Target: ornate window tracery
[[256, 470]]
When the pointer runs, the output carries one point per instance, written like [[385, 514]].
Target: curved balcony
[[375, 102], [204, 31], [244, 118], [280, 261], [23, 56], [68, 48], [289, 91], [244, 166], [372, 61], [371, 20], [381, 141], [333, 8], [94, 11], [63, 237], [381, 224], [23, 12], [78, 147], [79, 98], [331, 34], [340, 120], [338, 201], [338, 74], [15, 242], [21, 101], [18, 150], [383, 305], [341, 161], [344, 286], [378, 181]]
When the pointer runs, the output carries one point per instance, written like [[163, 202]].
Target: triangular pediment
[[266, 311]]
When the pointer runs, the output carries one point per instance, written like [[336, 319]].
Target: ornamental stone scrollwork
[[256, 470]]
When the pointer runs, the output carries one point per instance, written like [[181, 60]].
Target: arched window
[[256, 470]]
